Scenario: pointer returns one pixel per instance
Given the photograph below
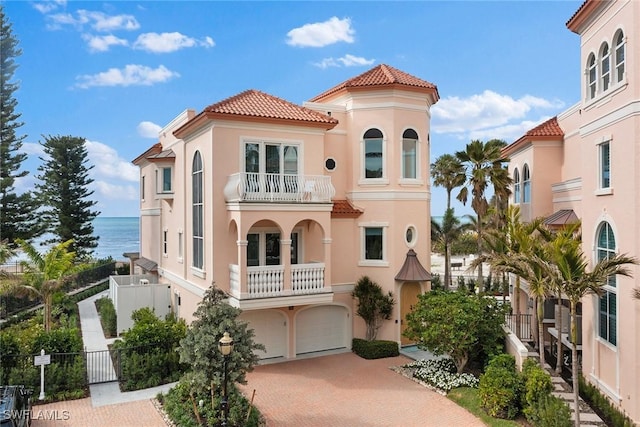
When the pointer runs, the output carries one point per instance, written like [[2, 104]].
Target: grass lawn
[[468, 398]]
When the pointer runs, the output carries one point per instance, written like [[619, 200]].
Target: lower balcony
[[305, 284]]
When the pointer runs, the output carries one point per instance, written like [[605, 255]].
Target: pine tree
[[17, 211], [64, 193]]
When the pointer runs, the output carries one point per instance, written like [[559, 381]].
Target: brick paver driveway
[[345, 390]]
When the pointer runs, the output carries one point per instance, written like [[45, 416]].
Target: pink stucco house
[[585, 164], [285, 207]]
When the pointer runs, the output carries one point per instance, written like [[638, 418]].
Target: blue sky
[[116, 72]]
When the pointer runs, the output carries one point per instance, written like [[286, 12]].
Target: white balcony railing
[[269, 187], [268, 281]]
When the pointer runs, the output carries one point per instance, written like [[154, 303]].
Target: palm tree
[[45, 273], [446, 233], [448, 172], [483, 164], [578, 282]]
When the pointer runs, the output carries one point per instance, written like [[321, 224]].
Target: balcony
[[269, 187], [305, 281]]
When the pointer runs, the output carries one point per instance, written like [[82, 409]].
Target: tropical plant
[[484, 166], [45, 274], [373, 305], [578, 281], [447, 233], [447, 172], [458, 325]]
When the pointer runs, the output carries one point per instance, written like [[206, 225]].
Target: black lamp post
[[225, 345]]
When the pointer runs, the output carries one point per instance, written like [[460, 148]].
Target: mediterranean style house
[[585, 164], [284, 207]]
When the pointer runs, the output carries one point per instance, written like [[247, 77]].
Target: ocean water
[[117, 236]]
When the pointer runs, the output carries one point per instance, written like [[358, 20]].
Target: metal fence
[[520, 324]]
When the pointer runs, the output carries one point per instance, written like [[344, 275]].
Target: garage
[[322, 328], [270, 328]]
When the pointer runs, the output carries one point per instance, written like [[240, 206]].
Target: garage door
[[321, 328], [270, 327]]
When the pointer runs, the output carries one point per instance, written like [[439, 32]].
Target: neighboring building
[[285, 207], [585, 164]]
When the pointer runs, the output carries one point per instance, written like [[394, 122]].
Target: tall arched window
[[605, 67], [373, 154], [606, 248], [526, 185], [516, 186], [591, 76], [409, 154], [619, 55], [197, 202]]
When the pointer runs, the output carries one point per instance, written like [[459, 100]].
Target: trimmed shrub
[[377, 349], [503, 360], [611, 415], [108, 316], [551, 411], [537, 388], [499, 392]]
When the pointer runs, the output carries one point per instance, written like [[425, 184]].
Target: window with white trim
[[591, 76], [607, 302], [271, 166], [374, 243], [163, 176], [619, 56], [526, 184], [263, 247], [604, 165], [605, 67], [409, 154], [516, 186], [373, 154], [197, 205]]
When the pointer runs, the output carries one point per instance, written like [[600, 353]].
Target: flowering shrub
[[441, 374]]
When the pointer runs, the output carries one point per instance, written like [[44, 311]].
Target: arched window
[[516, 186], [605, 67], [373, 154], [197, 203], [526, 185], [409, 154], [619, 55], [606, 248], [591, 76]]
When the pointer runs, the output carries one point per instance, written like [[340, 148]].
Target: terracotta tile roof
[[381, 76], [344, 209], [545, 130], [412, 270], [259, 104], [155, 149], [583, 11], [548, 128]]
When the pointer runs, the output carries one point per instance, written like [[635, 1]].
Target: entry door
[[408, 299]]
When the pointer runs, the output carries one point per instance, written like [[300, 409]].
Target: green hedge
[[108, 316], [612, 416], [376, 349]]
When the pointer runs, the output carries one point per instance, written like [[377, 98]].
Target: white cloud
[[32, 148], [346, 61], [99, 21], [103, 43], [488, 114], [168, 42], [148, 129], [108, 165], [48, 6], [321, 34], [130, 75], [106, 190]]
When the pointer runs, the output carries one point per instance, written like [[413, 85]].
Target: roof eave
[[582, 15]]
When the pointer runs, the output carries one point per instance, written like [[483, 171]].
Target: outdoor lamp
[[225, 345]]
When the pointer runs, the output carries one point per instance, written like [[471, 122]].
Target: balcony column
[[326, 242], [242, 265], [285, 257]]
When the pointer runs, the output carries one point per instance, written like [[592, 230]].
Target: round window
[[410, 235], [330, 164]]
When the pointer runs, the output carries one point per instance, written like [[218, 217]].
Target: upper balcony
[[274, 187]]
